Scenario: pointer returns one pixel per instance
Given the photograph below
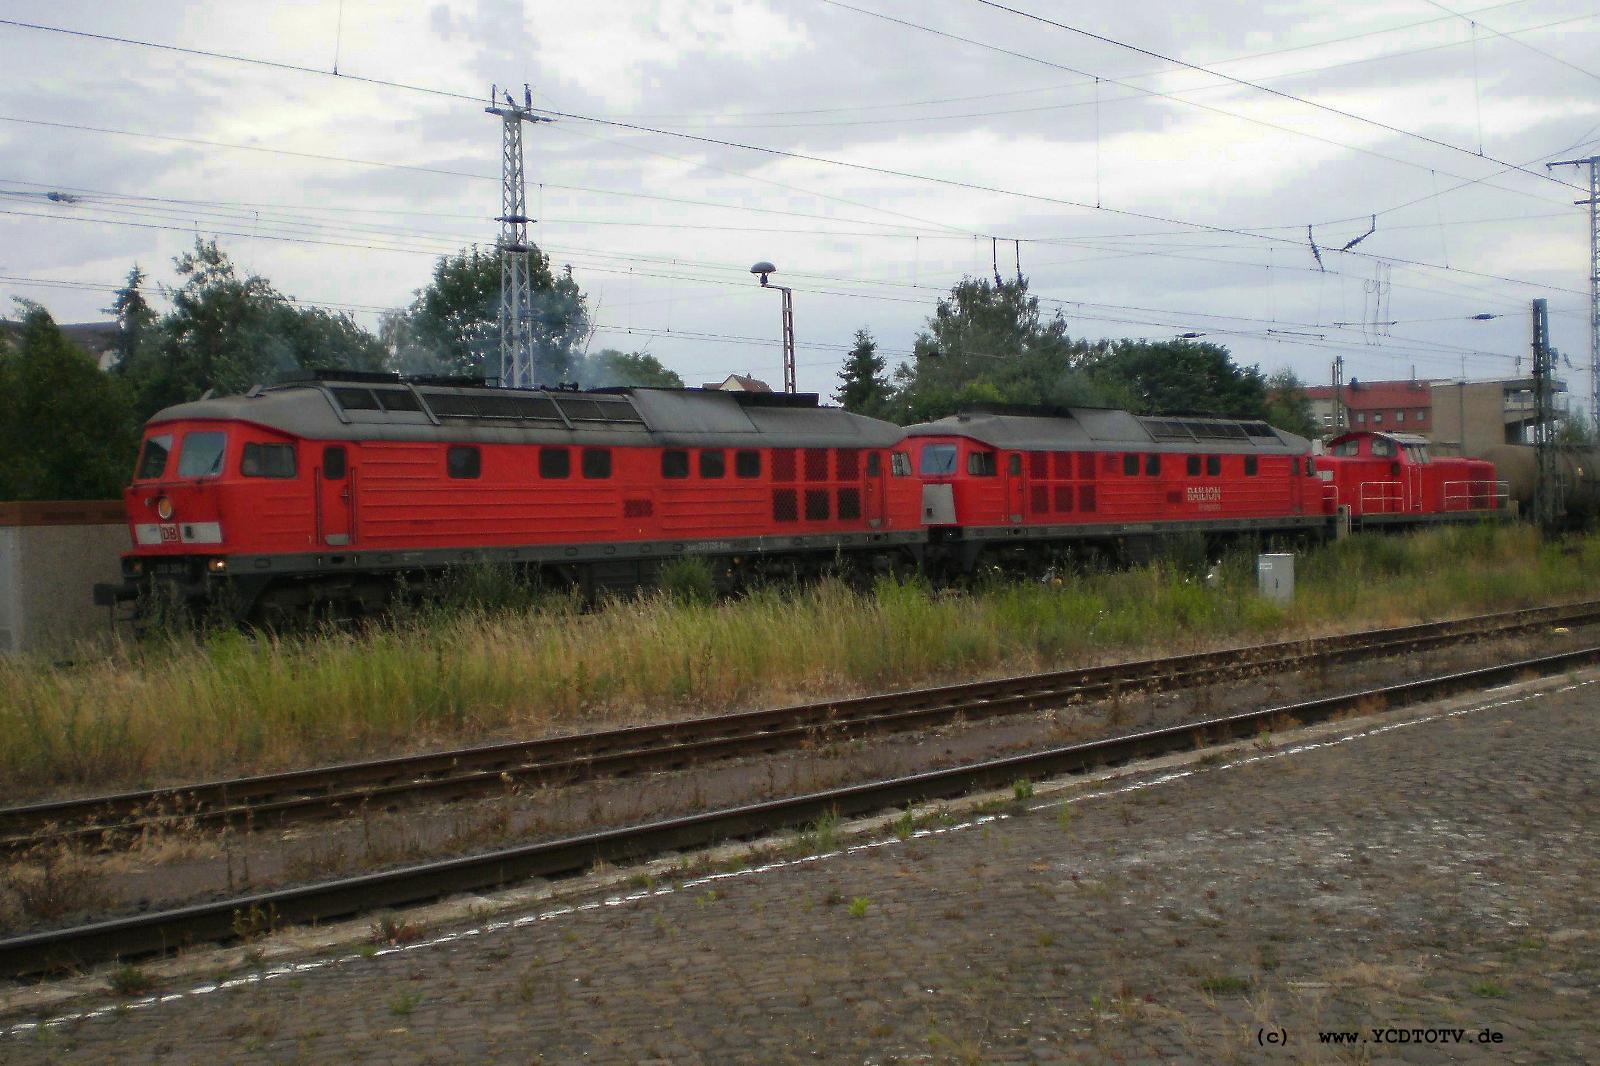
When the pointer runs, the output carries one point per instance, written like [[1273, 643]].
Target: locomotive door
[[872, 490], [336, 502], [1016, 491], [1413, 477]]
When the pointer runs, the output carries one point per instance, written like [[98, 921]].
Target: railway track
[[334, 791], [145, 934]]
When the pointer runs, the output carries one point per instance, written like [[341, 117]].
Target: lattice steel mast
[[1593, 163], [517, 370]]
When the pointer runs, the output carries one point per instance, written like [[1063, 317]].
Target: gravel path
[[1432, 874]]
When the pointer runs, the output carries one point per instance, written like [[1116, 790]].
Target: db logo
[[169, 534]]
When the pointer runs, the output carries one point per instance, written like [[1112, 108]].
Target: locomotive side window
[[900, 464], [596, 463], [747, 464], [1192, 467], [1152, 465], [874, 465], [979, 464], [555, 462], [1213, 465], [153, 459], [201, 455], [267, 460], [1130, 464], [939, 459], [1250, 466], [333, 462], [355, 399], [713, 464], [674, 463], [1349, 447], [1383, 449], [463, 461]]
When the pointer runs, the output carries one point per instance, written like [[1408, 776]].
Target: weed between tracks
[[235, 703]]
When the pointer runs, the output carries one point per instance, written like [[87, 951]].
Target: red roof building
[[1386, 406]]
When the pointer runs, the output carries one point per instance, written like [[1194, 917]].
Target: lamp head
[[763, 268]]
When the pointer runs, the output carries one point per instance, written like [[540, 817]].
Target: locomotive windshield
[[938, 459], [153, 459], [202, 454]]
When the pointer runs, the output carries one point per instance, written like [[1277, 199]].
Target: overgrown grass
[[238, 703]]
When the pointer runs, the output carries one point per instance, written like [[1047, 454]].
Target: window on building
[[1361, 418], [555, 463], [153, 460], [1377, 418], [596, 463], [980, 464], [674, 463], [713, 464], [1399, 416], [202, 454], [268, 460], [463, 461], [747, 464], [938, 459], [1419, 415]]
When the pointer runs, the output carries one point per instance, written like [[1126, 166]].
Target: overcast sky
[[1205, 186]]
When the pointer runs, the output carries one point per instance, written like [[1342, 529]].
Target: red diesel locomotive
[[327, 489], [1019, 483], [1383, 479]]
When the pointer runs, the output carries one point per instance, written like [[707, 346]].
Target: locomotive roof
[[1398, 438], [1097, 429], [395, 410]]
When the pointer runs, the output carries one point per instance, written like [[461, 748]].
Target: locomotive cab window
[[1192, 467], [1152, 465], [1347, 448], [267, 460], [463, 461], [555, 462], [596, 463], [1250, 466], [900, 464], [713, 464], [201, 455], [153, 459], [674, 463], [979, 464], [333, 462], [938, 459], [1213, 465], [747, 464], [1383, 449]]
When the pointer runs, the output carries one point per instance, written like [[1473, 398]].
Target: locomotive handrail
[[1476, 495], [1388, 498]]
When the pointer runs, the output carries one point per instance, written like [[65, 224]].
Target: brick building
[[1458, 417]]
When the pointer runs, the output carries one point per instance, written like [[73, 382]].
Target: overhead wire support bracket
[[517, 359]]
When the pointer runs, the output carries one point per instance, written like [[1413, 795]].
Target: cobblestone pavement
[[1429, 875]]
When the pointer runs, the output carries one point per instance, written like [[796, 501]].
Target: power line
[[1470, 18], [1247, 84]]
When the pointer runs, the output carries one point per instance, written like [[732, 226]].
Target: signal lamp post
[[764, 269]]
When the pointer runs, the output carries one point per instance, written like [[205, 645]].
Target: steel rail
[[333, 791], [145, 934]]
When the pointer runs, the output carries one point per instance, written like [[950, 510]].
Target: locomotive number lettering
[[1203, 494]]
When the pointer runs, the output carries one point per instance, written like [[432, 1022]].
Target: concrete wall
[[51, 555]]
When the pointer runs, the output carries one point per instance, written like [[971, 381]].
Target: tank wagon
[[1023, 484], [1390, 479], [328, 490]]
